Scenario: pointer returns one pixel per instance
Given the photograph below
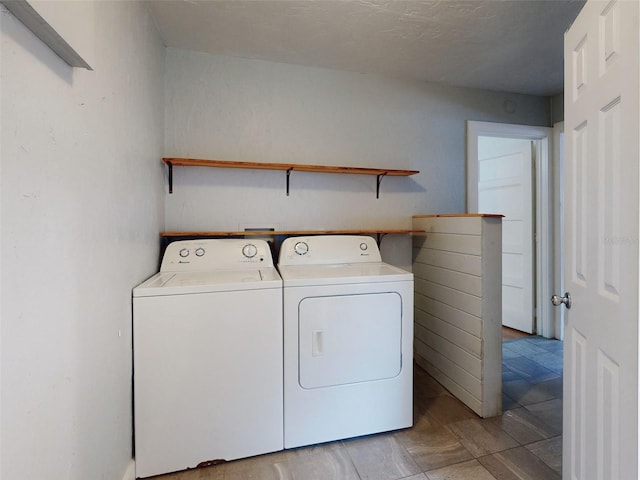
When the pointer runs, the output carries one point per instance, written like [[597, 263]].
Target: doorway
[[537, 245]]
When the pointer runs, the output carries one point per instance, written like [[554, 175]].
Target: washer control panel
[[212, 254], [328, 250]]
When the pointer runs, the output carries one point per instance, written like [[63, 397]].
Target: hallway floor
[[447, 442]]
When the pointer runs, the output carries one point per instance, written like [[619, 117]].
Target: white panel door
[[505, 167], [600, 431]]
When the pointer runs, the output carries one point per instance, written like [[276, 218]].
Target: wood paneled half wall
[[457, 267]]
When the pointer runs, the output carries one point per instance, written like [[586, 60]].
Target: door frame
[[542, 138], [558, 223]]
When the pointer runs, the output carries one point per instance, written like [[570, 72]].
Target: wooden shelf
[[378, 232], [241, 233], [461, 215], [380, 173]]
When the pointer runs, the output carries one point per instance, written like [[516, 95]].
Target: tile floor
[[447, 442]]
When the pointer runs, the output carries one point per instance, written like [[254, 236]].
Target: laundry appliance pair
[[233, 359]]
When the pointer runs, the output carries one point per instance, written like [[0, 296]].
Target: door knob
[[557, 300]]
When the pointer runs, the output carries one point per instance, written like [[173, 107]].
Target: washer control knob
[[363, 246], [301, 248], [184, 252], [199, 252], [249, 250]]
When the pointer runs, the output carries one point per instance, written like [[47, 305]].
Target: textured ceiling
[[504, 45]]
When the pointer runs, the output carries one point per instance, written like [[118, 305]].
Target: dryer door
[[346, 339]]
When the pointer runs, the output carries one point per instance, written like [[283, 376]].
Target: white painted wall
[[237, 109], [82, 205]]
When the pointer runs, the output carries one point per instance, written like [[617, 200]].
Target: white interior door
[[601, 243], [505, 167]]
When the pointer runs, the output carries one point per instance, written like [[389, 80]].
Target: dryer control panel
[[214, 254], [329, 250]]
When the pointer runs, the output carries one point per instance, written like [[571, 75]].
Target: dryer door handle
[[317, 344]]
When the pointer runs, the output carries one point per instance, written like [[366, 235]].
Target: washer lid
[[343, 273], [182, 283]]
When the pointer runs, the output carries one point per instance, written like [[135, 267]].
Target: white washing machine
[[207, 349], [348, 340]]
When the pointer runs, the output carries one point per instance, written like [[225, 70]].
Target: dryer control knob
[[363, 246], [301, 248], [249, 250], [199, 252], [184, 252]]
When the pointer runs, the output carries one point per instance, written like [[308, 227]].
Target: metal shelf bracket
[[379, 237], [379, 181], [288, 175]]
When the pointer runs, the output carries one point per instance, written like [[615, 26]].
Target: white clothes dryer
[[207, 348], [348, 340]]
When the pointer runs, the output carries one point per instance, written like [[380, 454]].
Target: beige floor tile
[[549, 451], [265, 467], [471, 470], [433, 446], [549, 412], [524, 426], [518, 464], [329, 463], [422, 420], [313, 449], [525, 392], [446, 409], [481, 437], [426, 386], [381, 457], [552, 386], [209, 473]]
